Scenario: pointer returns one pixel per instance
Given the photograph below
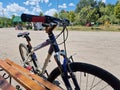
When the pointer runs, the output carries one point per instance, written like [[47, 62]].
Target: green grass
[[94, 28]]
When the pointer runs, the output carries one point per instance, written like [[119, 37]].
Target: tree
[[87, 15], [41, 14], [117, 11], [71, 16], [13, 16], [90, 10], [82, 16], [113, 19], [56, 15], [77, 19], [63, 14], [5, 22], [101, 4], [85, 3], [109, 9], [66, 14]]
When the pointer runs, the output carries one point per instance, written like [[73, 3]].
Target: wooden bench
[[4, 85], [25, 78]]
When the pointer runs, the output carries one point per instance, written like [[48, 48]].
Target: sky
[[47, 7]]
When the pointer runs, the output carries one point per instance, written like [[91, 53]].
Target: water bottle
[[34, 56]]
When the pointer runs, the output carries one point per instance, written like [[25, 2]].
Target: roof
[[17, 19]]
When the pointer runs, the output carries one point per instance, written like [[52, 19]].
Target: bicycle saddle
[[23, 34]]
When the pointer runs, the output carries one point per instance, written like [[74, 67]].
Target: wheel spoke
[[87, 81], [104, 87], [92, 83]]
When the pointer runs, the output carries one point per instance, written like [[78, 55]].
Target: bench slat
[[33, 76], [4, 85], [22, 79]]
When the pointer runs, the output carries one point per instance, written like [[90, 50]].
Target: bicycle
[[69, 71]]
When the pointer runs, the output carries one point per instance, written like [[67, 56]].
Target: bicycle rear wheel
[[89, 77], [26, 59]]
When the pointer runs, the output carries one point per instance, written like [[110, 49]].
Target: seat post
[[28, 39]]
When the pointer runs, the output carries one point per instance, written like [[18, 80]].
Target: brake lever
[[49, 24]]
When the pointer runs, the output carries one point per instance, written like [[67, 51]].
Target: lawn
[[94, 28]]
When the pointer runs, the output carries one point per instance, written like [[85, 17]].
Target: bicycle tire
[[92, 70], [24, 55], [22, 45]]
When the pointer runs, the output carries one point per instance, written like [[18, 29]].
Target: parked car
[[28, 26], [1, 26], [19, 27], [38, 26]]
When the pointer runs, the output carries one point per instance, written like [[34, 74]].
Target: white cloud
[[63, 6], [101, 0], [12, 9], [71, 4], [15, 8], [1, 9], [1, 5], [46, 1], [50, 4], [36, 9], [51, 12], [104, 1], [34, 2], [26, 3], [31, 2]]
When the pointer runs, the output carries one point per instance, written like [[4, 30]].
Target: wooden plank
[[4, 85], [19, 77], [33, 76]]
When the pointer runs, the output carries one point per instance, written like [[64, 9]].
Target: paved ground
[[99, 48]]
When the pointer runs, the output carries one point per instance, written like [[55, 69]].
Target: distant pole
[[58, 7], [57, 4], [3, 12], [3, 17]]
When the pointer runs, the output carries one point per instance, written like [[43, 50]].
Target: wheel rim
[[24, 55], [86, 82]]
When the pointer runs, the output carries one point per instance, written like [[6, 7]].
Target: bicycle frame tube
[[64, 74], [57, 59], [50, 51], [40, 46], [44, 44]]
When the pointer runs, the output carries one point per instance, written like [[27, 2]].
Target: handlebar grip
[[32, 18], [43, 19]]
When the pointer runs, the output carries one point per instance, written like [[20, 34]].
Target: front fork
[[66, 71]]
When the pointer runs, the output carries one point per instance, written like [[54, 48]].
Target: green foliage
[[41, 14], [5, 22], [97, 12], [56, 15], [66, 14], [86, 11], [85, 3], [63, 14], [71, 16], [117, 11]]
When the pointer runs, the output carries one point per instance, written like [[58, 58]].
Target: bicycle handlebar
[[43, 19], [32, 18]]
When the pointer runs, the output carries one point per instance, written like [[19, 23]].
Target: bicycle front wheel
[[89, 77]]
